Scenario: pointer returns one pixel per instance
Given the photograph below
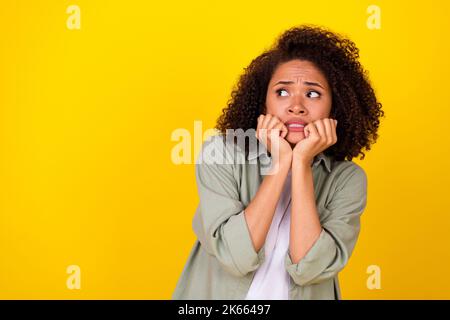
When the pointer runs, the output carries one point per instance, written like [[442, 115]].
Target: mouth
[[295, 126]]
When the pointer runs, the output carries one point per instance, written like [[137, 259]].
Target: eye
[[313, 94], [280, 90]]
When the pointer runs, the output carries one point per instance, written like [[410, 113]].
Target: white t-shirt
[[271, 280]]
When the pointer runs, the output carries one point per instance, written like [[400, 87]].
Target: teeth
[[295, 125]]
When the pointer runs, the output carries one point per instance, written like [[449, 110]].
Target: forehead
[[298, 70]]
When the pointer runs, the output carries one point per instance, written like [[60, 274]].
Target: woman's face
[[298, 91]]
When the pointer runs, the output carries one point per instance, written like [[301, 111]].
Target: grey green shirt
[[223, 261]]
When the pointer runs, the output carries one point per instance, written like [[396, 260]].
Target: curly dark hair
[[354, 104]]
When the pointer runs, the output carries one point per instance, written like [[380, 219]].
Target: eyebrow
[[308, 83]]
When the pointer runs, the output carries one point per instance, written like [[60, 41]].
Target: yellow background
[[86, 120]]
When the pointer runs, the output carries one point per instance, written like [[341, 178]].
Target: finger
[[279, 126], [284, 131], [260, 120], [311, 129], [266, 132], [273, 122], [266, 120], [334, 133], [271, 132], [258, 126], [321, 129], [328, 130], [262, 133]]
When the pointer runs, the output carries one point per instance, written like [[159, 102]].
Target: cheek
[[276, 105], [271, 106], [321, 110], [327, 107]]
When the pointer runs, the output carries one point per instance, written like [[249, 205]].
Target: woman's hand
[[319, 135], [270, 127]]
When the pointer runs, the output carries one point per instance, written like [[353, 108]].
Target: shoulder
[[347, 188], [349, 174]]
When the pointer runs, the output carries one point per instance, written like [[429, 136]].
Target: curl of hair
[[354, 103]]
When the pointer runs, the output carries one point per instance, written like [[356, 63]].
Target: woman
[[286, 231]]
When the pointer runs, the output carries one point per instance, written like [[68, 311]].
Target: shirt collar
[[255, 152]]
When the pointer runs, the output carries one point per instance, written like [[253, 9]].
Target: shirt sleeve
[[331, 251], [219, 220]]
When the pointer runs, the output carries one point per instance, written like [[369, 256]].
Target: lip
[[295, 129], [296, 122]]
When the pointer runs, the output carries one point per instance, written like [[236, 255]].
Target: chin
[[294, 137]]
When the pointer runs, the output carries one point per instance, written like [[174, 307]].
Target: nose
[[297, 108]]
